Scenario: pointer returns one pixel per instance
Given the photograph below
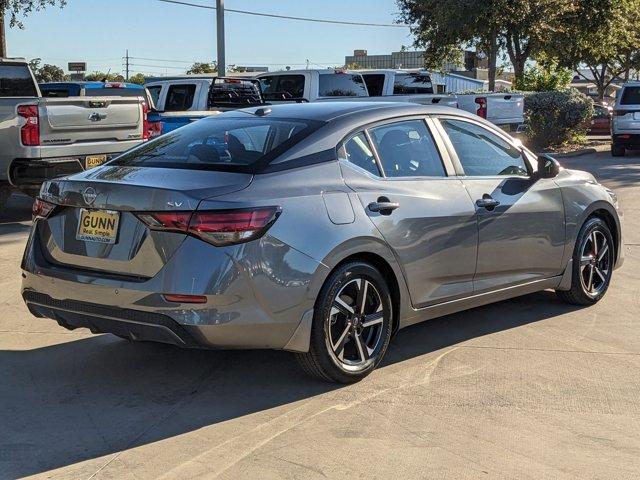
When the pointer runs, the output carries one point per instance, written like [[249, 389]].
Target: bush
[[556, 118]]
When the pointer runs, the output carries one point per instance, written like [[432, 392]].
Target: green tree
[[14, 8], [202, 67], [46, 73], [104, 77], [546, 76], [602, 36], [518, 27], [137, 78]]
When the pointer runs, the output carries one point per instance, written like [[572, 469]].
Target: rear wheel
[[351, 325], [617, 150], [593, 259]]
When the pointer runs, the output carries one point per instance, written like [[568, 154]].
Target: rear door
[[521, 224], [418, 204]]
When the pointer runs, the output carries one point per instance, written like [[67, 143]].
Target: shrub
[[556, 118]]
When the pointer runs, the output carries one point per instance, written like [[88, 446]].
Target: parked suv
[[625, 129]]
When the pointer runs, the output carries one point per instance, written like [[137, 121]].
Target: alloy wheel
[[354, 329], [595, 263]]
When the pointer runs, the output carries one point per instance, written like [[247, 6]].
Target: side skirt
[[458, 305]]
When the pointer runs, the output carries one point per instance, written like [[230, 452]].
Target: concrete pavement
[[527, 388]]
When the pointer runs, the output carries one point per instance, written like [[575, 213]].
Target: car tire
[[351, 327], [592, 267], [617, 150]]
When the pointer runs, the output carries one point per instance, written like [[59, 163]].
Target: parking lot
[[527, 388]]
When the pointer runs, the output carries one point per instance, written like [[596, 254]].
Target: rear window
[[341, 85], [410, 83], [55, 92], [282, 87], [227, 144], [630, 96], [179, 98], [375, 83], [16, 81]]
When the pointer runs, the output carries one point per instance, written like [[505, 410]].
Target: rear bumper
[[132, 324], [250, 303], [627, 140]]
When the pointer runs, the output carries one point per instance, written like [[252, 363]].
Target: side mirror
[[548, 167]]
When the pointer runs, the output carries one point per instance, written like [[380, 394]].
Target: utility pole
[[222, 69], [3, 40], [126, 68]]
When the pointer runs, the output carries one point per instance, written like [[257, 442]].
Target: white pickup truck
[[43, 138], [338, 85], [503, 109]]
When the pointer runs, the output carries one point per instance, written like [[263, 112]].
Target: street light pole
[[220, 34]]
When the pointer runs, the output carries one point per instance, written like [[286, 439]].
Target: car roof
[[328, 111], [90, 84]]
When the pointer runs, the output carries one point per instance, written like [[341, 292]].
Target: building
[[474, 63]]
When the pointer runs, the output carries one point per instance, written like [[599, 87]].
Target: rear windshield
[[341, 85], [409, 83], [282, 87], [630, 96], [16, 81], [226, 144]]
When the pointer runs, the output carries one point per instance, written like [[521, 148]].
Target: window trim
[[460, 172], [445, 157], [343, 143], [193, 99]]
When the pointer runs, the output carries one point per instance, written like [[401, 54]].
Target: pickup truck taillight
[[30, 131], [481, 109], [146, 126]]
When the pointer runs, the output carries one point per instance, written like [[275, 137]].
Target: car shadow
[[615, 172], [15, 217], [90, 397]]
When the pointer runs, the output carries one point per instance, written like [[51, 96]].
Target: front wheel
[[351, 325], [593, 259]]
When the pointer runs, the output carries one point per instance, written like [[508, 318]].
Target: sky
[[171, 36]]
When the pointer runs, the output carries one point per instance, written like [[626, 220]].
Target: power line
[[286, 17]]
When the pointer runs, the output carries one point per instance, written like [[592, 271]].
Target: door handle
[[487, 202], [383, 207]]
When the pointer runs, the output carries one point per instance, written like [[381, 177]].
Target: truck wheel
[[617, 150]]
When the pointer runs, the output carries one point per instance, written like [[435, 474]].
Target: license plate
[[98, 226], [92, 161]]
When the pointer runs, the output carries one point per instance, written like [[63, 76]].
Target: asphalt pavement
[[528, 388]]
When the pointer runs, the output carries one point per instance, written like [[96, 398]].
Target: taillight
[[41, 209], [219, 227], [180, 298], [146, 125], [481, 109], [30, 131], [155, 129]]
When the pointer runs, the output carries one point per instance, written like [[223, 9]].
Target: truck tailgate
[[505, 108], [73, 120]]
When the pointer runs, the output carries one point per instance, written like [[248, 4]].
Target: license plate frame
[[93, 161], [103, 230]]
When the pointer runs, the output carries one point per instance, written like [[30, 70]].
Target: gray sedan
[[317, 228]]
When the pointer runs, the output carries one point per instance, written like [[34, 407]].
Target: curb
[[576, 153]]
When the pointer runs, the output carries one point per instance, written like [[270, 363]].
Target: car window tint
[[341, 85], [16, 81], [282, 87], [155, 93], [481, 152], [358, 151], [375, 83], [410, 83], [180, 97], [406, 149], [235, 144], [630, 96]]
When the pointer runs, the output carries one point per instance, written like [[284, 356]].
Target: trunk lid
[[137, 251]]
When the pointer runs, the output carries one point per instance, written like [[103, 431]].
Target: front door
[[521, 223], [419, 206]]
